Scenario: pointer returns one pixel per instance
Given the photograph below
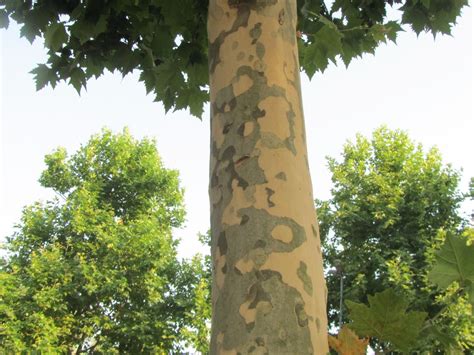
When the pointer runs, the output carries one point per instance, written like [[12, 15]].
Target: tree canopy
[[166, 41], [95, 269], [392, 206]]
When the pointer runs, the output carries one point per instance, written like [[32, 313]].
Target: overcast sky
[[421, 85]]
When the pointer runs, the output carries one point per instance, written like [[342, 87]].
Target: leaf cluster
[[348, 29], [95, 270], [166, 41]]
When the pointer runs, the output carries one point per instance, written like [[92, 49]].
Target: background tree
[[199, 331], [391, 206], [262, 215], [96, 269]]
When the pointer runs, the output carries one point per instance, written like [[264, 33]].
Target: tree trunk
[[269, 293]]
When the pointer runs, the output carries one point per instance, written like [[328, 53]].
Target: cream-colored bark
[[269, 294]]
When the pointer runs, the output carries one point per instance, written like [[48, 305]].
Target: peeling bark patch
[[269, 192], [301, 315], [271, 140], [247, 128], [257, 113], [250, 326], [260, 50], [281, 176], [244, 219], [302, 273], [227, 128], [256, 32], [250, 171], [290, 141], [222, 244], [281, 17], [282, 334], [282, 233], [315, 231], [240, 160], [257, 294]]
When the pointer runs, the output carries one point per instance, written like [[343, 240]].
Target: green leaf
[[54, 36], [196, 102], [378, 32], [4, 21], [78, 79], [85, 31], [44, 75], [29, 31], [454, 262], [447, 341], [426, 3], [393, 27], [386, 319]]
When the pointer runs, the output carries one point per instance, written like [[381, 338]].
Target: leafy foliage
[[95, 270], [381, 228], [387, 319], [166, 41]]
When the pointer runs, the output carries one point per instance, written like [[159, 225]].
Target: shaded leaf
[[43, 75], [54, 36], [4, 21], [78, 79]]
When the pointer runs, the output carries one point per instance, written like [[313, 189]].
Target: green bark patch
[[281, 175], [302, 273], [260, 50], [256, 32], [222, 244], [269, 192], [274, 301]]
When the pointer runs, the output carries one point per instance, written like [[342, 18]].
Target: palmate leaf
[[387, 319], [348, 343], [43, 76], [454, 262]]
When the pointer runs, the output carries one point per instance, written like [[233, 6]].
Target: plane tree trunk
[[269, 293]]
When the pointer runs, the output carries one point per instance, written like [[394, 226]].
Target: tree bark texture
[[269, 293]]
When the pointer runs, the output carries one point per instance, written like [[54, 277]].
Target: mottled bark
[[269, 294]]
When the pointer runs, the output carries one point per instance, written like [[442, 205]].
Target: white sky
[[421, 85]]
